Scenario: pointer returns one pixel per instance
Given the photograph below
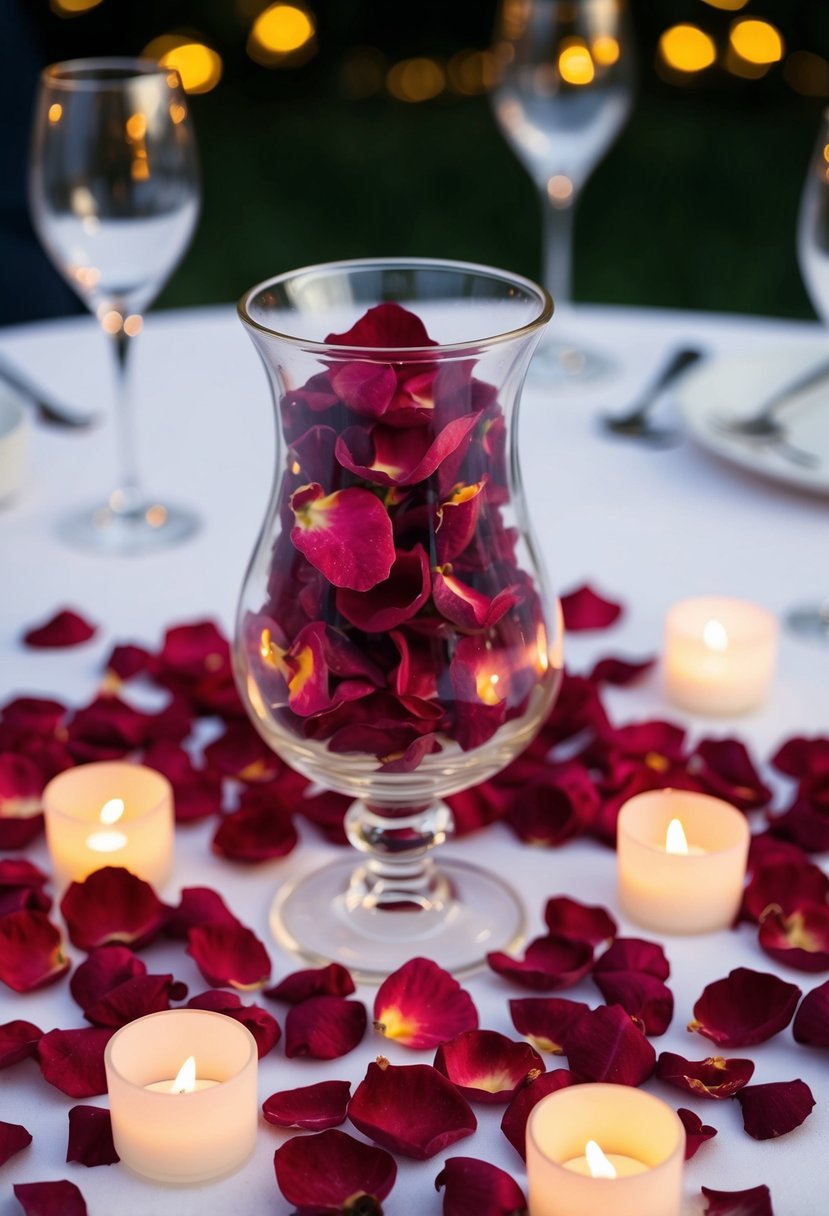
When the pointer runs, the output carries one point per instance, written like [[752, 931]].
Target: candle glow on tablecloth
[[719, 655]]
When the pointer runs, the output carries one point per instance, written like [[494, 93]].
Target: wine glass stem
[[558, 249], [126, 496]]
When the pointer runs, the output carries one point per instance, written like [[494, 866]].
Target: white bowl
[[14, 445]]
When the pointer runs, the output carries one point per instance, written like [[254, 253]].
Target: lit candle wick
[[599, 1165], [108, 842], [185, 1079], [715, 636], [675, 838], [111, 811]]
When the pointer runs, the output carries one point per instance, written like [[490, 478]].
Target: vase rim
[[507, 276]]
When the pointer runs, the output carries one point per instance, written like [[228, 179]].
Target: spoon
[[635, 423], [46, 407]]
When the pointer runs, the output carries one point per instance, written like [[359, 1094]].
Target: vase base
[[562, 362], [146, 528], [470, 912]]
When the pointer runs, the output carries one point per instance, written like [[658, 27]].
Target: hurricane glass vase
[[395, 639]]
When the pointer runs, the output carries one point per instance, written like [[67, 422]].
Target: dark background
[[694, 207]]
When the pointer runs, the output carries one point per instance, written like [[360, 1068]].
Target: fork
[[46, 407], [635, 423]]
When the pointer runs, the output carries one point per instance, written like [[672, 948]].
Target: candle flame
[[185, 1081], [599, 1165], [675, 838], [715, 636], [111, 811]]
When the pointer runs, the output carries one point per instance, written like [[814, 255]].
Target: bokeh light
[[729, 6], [418, 79], [471, 72], [72, 8], [199, 67], [282, 35], [807, 74], [687, 48], [757, 42], [575, 63]]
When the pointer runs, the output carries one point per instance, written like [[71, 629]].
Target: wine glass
[[565, 91], [114, 195], [812, 620]]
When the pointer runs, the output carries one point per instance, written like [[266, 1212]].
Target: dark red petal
[[255, 834], [774, 1109], [476, 1188], [580, 922], [620, 672], [333, 980], [197, 906], [346, 535], [112, 905], [21, 887], [744, 1008], [31, 951], [385, 327], [125, 662], [410, 1109], [726, 769], [13, 1138], [783, 885], [90, 1136], [314, 1108], [193, 651], [65, 628], [811, 1023], [486, 1066], [606, 1045], [366, 388], [102, 970], [634, 954], [38, 715], [801, 757], [21, 784], [396, 599], [229, 955], [197, 793], [324, 1027], [50, 1198], [546, 1021], [755, 1201], [643, 996], [318, 1174], [713, 1077], [548, 963], [134, 998], [18, 1041], [799, 940], [420, 1005], [241, 753], [261, 1024], [73, 1060], [514, 1122], [583, 608], [696, 1132]]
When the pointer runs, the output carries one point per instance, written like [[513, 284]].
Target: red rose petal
[[514, 1121], [90, 1136], [241, 753], [194, 663], [774, 1109], [346, 535], [799, 940], [727, 771], [31, 715], [254, 834], [620, 672], [456, 519], [65, 628], [784, 886], [314, 1108], [21, 887], [634, 954], [21, 784], [486, 1066], [134, 998], [197, 794], [803, 757], [333, 980], [548, 963], [811, 1022], [755, 1201], [713, 1077], [50, 1198], [606, 1045], [324, 1027], [576, 921], [18, 1041], [31, 951], [643, 996], [318, 1174], [261, 1024], [476, 1188], [421, 1006], [583, 608], [197, 906], [112, 905], [229, 955], [696, 1132], [746, 1007], [410, 1109], [366, 388], [385, 327], [13, 1138], [392, 601], [73, 1060], [124, 663], [546, 1021], [104, 969]]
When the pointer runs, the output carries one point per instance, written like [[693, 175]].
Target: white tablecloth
[[649, 527]]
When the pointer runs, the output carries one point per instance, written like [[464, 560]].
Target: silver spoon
[[46, 407], [635, 423]]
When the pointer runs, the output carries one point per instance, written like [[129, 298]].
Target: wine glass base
[[318, 918], [147, 528], [568, 363], [811, 623]]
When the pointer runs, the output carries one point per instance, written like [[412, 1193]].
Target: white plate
[[736, 386]]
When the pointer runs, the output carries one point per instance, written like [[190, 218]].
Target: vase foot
[[465, 913]]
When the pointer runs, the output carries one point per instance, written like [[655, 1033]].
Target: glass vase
[[395, 638]]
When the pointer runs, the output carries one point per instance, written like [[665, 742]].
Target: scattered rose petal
[[197, 906], [420, 1005], [410, 1109], [476, 1188], [241, 753], [229, 955], [112, 905], [799, 940], [21, 887], [576, 921], [124, 663], [774, 1109], [634, 954], [13, 1138], [803, 757], [746, 1007], [546, 1021], [346, 535], [696, 1132], [254, 834], [18, 1041], [90, 1136], [102, 970], [606, 1045], [261, 1024], [783, 886], [60, 1198], [811, 1022], [643, 996], [197, 793], [486, 1066], [31, 951], [583, 608], [727, 771], [73, 1060], [548, 963], [514, 1121], [21, 816], [620, 672], [135, 998], [324, 1027], [65, 628], [314, 1108], [318, 1174], [755, 1201], [713, 1077], [333, 980]]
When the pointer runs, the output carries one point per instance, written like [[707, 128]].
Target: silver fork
[[763, 428], [46, 407]]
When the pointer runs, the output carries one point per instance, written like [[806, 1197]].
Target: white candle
[[109, 814], [662, 886], [719, 655]]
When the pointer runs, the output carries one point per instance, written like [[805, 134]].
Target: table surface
[[648, 527]]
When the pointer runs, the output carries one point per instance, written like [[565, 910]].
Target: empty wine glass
[[812, 620], [564, 93], [114, 195]]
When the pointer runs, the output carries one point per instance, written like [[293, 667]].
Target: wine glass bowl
[[114, 196]]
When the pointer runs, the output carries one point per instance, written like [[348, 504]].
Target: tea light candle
[[719, 655], [109, 814], [174, 1134], [604, 1148], [693, 884]]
